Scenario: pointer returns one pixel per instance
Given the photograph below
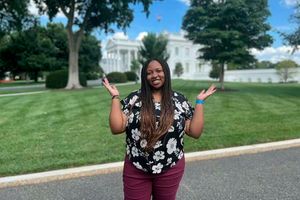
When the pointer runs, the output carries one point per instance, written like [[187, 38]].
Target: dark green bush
[[93, 75], [131, 76], [116, 77], [59, 79]]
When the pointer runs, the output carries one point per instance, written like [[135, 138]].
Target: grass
[[20, 83], [60, 129]]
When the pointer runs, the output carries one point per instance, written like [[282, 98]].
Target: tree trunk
[[36, 76], [74, 41], [221, 80]]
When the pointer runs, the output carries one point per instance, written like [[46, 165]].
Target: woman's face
[[155, 75]]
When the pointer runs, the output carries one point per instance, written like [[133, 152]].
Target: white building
[[120, 51]]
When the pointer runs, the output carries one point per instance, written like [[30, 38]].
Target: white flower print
[[175, 94], [159, 155], [136, 134], [181, 141], [133, 100], [157, 168], [169, 161], [157, 144], [171, 146], [178, 106], [134, 152], [176, 115], [185, 105], [130, 118], [181, 134], [138, 117], [171, 129], [180, 155], [137, 165], [157, 106], [138, 104], [173, 164], [127, 150], [143, 143]]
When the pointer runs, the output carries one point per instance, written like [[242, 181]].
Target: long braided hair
[[148, 128]]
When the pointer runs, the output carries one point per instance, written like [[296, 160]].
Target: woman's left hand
[[205, 94]]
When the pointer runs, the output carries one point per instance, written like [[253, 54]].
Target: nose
[[155, 74]]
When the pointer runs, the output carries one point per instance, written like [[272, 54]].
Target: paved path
[[273, 175]]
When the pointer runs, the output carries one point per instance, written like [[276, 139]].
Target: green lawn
[[60, 129]]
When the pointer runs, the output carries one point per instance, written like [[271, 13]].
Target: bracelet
[[200, 101], [115, 97]]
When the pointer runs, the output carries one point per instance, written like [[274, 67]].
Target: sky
[[167, 15]]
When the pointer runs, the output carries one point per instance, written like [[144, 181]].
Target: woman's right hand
[[110, 88]]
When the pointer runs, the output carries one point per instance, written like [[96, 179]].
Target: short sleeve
[[128, 102], [189, 109], [184, 105]]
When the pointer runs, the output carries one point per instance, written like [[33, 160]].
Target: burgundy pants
[[139, 185]]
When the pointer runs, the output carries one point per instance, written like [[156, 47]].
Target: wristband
[[200, 101], [115, 97]]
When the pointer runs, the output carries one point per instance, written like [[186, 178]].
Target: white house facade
[[121, 51]]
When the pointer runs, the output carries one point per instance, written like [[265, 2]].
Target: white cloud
[[186, 2], [120, 35], [141, 36], [34, 10], [289, 2], [275, 55]]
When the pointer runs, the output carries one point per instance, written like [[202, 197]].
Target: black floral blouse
[[169, 149]]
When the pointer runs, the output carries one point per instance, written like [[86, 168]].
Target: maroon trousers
[[139, 185]]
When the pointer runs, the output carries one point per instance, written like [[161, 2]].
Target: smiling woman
[[155, 119]]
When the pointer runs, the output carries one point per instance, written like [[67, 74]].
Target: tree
[[293, 38], [85, 15], [153, 47], [28, 51], [228, 29], [264, 65], [285, 69], [45, 49], [135, 66], [89, 57], [13, 15], [178, 69], [215, 71]]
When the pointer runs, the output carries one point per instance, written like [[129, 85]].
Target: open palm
[[205, 94], [110, 88]]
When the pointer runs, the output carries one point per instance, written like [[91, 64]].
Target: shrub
[[93, 76], [131, 76], [116, 77], [59, 79]]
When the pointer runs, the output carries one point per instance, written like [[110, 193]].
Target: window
[[176, 51], [187, 51], [187, 66]]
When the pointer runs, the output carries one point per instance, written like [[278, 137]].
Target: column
[[128, 60]]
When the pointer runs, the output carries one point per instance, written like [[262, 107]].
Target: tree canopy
[[13, 15], [153, 47], [228, 29], [85, 15], [285, 69], [45, 49], [293, 38]]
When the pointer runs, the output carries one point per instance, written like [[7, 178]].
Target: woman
[[155, 119]]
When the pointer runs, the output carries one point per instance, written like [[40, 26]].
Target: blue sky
[[171, 12]]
